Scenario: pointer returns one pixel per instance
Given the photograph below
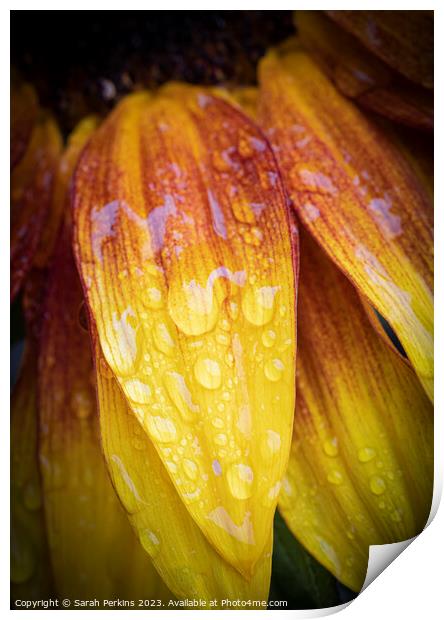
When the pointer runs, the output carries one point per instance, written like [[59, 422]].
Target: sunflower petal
[[360, 75], [361, 466], [182, 237], [31, 185], [94, 552], [30, 572], [24, 110], [356, 194], [403, 39], [186, 560]]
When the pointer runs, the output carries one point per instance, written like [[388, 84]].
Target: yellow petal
[[182, 237], [30, 567], [356, 194], [362, 76], [94, 552], [31, 186], [186, 560], [361, 465]]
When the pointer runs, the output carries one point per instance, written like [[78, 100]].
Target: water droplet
[[216, 467], [273, 369], [258, 304], [180, 395], [330, 447], [396, 516], [221, 439], [121, 349], [152, 298], [233, 309], [161, 429], [208, 373], [163, 339], [223, 339], [171, 466], [82, 404], [150, 542], [226, 396], [271, 444], [268, 338], [240, 480], [229, 358], [335, 477], [377, 485], [190, 468], [217, 423], [32, 497], [137, 391], [366, 454]]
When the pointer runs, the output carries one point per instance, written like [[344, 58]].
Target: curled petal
[[356, 194], [360, 75], [361, 465], [31, 186], [182, 238], [402, 39], [187, 562], [94, 552]]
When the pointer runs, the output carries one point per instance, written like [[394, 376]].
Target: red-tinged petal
[[30, 567], [360, 75], [361, 465], [356, 194], [403, 39], [31, 185], [187, 562], [24, 111], [182, 238], [94, 552]]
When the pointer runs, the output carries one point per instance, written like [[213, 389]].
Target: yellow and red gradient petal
[[187, 562], [360, 75], [356, 194], [31, 190], [361, 464], [94, 552], [183, 243]]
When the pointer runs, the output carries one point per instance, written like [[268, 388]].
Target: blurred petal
[[246, 97], [361, 466], [24, 110], [31, 185], [94, 552], [356, 194], [30, 567], [186, 560], [182, 237], [360, 75], [402, 39], [60, 197]]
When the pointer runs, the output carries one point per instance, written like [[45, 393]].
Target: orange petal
[[403, 39], [362, 76], [361, 466], [184, 558], [356, 194], [185, 253], [94, 552], [30, 567], [31, 185], [24, 110]]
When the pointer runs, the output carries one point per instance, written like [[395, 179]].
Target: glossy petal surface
[[182, 237], [361, 465], [356, 194], [186, 560], [94, 552], [31, 185]]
